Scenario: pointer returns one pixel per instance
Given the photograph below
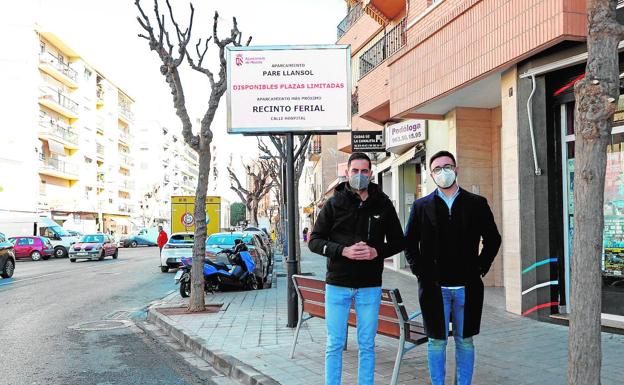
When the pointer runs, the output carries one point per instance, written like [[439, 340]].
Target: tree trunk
[[596, 97], [197, 301], [253, 212]]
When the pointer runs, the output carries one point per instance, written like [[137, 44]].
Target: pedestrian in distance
[[443, 235], [356, 230], [305, 234], [162, 239]]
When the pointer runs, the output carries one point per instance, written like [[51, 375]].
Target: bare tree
[[172, 55], [596, 96], [261, 183], [148, 205], [300, 153]]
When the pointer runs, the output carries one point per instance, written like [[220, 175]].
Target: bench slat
[[312, 294], [313, 283]]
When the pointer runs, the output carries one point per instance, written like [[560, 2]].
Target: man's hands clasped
[[360, 251]]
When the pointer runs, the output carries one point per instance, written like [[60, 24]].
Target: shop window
[[612, 259]]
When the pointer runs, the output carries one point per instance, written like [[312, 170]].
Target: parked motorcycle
[[238, 274]]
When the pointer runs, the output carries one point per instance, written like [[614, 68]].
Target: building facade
[[69, 146], [461, 70], [168, 167]]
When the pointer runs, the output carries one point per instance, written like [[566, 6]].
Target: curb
[[221, 361]]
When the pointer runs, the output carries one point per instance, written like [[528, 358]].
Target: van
[[16, 225]]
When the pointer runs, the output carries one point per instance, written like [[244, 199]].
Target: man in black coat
[[443, 235], [356, 230]]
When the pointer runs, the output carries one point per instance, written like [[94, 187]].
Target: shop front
[[612, 259], [401, 174], [547, 197]]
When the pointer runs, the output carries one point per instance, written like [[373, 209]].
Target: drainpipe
[[538, 171]]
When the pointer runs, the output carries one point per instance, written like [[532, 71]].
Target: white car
[[180, 245]]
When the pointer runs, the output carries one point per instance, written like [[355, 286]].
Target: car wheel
[[164, 269], [60, 252], [185, 288], [8, 269], [116, 254], [102, 255], [35, 255], [134, 244], [72, 259]]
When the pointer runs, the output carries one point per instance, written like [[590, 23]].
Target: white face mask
[[445, 179]]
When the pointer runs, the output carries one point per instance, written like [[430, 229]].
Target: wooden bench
[[393, 321]]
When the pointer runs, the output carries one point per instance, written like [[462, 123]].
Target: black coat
[[423, 247], [345, 220]]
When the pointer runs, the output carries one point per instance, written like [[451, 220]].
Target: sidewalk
[[248, 338]]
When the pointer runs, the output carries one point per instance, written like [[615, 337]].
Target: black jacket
[[345, 220], [424, 240]]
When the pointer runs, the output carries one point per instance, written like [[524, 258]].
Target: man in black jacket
[[356, 230], [443, 235]]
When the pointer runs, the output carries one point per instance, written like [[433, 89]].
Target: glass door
[[612, 258]]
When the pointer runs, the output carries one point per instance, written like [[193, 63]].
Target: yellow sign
[[182, 214]]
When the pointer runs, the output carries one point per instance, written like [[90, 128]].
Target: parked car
[[35, 248], [93, 246], [143, 237], [180, 245], [219, 241], [7, 258], [266, 241]]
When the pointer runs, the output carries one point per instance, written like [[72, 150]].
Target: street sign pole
[[291, 262]]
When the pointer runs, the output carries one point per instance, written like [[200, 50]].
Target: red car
[[93, 246], [35, 248]]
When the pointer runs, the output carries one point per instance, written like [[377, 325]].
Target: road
[[45, 299]]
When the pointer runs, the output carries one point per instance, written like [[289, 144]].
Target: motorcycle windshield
[[249, 263]]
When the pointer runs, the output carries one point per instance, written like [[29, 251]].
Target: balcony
[[126, 185], [58, 168], [125, 161], [99, 96], [190, 154], [188, 183], [315, 149], [58, 69], [58, 101], [354, 14], [124, 136], [54, 129], [390, 43], [125, 208], [100, 150], [125, 114]]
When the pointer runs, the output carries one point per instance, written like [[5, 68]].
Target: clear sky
[[105, 34]]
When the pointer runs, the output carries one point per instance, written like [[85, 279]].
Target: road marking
[[59, 272]]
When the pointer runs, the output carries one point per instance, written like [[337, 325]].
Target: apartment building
[[168, 167], [70, 139], [481, 78], [324, 170]]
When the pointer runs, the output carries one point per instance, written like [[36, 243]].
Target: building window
[[42, 47], [87, 74]]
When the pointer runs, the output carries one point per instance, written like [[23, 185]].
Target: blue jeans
[[454, 300], [337, 304]]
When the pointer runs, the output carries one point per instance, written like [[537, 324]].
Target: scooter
[[238, 274]]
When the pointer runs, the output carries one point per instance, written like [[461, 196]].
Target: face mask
[[359, 182], [445, 179]]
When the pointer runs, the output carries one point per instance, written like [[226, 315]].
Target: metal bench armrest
[[414, 315]]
